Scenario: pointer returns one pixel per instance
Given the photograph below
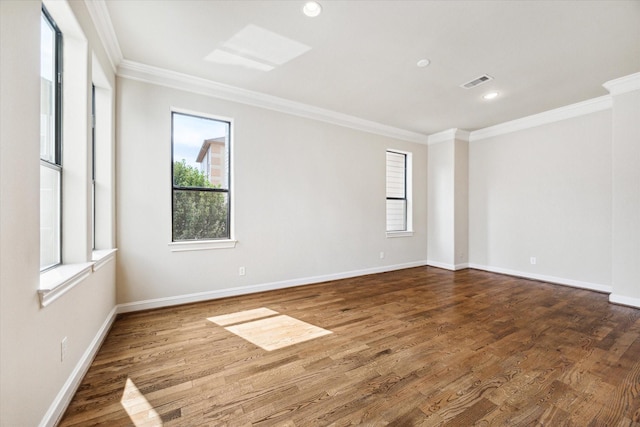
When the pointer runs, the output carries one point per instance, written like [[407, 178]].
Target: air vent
[[477, 81]]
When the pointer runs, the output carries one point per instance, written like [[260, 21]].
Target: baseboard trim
[[70, 387], [243, 290], [439, 264], [452, 267], [622, 300], [62, 400], [550, 279]]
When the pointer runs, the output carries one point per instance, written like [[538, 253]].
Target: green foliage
[[188, 176], [197, 214]]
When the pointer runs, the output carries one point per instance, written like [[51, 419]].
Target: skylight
[[256, 48]]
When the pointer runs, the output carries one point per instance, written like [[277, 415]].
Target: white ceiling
[[359, 57]]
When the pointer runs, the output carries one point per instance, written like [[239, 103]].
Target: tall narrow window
[[397, 199], [50, 142], [93, 167], [200, 174]]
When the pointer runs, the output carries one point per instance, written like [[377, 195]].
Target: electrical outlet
[[532, 260], [381, 255], [241, 271], [63, 349]]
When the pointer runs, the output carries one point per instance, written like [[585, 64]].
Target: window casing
[[93, 167], [200, 175], [50, 143], [398, 194]]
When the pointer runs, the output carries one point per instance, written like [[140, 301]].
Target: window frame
[[93, 166], [407, 176], [56, 165], [209, 243]]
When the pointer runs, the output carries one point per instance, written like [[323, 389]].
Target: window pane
[[47, 90], [200, 215], [396, 175], [200, 152], [396, 215], [49, 217]]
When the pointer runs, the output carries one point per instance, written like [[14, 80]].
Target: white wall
[[544, 192], [31, 372], [461, 203], [309, 200], [441, 205], [448, 199], [626, 197]]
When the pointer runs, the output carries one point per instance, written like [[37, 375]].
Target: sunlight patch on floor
[[269, 332], [138, 407]]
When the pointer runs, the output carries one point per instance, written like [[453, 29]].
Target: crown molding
[[623, 84], [102, 21], [448, 135], [574, 110], [172, 79]]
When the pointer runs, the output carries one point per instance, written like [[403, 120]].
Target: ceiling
[[359, 57]]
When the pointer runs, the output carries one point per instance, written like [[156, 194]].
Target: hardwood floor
[[417, 347]]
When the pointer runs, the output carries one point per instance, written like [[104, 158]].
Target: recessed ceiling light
[[423, 63], [312, 9], [490, 95]]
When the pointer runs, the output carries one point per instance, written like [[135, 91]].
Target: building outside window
[[212, 159]]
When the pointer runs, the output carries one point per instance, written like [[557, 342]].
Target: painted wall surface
[[626, 198], [309, 199], [544, 192], [441, 205], [31, 371], [461, 202], [448, 196]]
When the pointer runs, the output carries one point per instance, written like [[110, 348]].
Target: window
[[398, 191], [50, 142], [73, 219], [200, 176], [93, 167]]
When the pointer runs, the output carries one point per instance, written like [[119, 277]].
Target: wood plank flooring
[[416, 347]]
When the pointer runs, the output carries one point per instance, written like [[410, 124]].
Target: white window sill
[[59, 280], [102, 256], [202, 245], [391, 234]]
